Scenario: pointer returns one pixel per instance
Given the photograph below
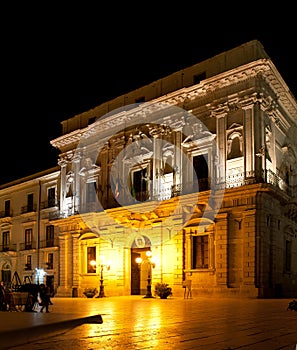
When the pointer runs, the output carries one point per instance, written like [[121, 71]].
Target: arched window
[[234, 145]]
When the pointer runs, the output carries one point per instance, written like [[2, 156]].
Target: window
[[50, 261], [200, 171], [288, 255], [91, 257], [139, 183], [28, 264], [50, 230], [91, 195], [5, 240], [51, 197], [91, 192], [28, 238], [30, 202], [200, 252], [7, 207]]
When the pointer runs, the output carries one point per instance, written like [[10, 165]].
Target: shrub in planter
[[90, 292], [163, 290]]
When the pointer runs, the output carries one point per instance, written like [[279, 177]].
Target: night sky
[[61, 61]]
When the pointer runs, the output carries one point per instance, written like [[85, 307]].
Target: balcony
[[5, 214], [8, 248], [28, 209], [48, 243], [49, 204], [28, 245]]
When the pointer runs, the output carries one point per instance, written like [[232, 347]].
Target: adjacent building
[[189, 179]]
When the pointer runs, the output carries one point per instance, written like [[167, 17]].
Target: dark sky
[[60, 61]]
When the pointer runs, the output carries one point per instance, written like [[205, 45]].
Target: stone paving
[[134, 322]]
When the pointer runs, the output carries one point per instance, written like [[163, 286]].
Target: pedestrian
[[44, 292]]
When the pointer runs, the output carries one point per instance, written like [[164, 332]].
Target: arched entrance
[[140, 245], [6, 274]]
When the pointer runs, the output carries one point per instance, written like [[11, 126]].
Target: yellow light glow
[[138, 260], [93, 263], [153, 260], [148, 253]]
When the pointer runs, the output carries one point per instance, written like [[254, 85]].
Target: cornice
[[262, 68]]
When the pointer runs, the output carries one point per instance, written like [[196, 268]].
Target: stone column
[[211, 251], [76, 183], [259, 141], [249, 142], [249, 247], [178, 159], [63, 166], [76, 260], [221, 116], [62, 289]]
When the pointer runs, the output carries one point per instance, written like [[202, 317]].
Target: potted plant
[[90, 292], [163, 290]]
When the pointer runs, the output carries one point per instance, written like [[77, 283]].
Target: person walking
[[44, 292]]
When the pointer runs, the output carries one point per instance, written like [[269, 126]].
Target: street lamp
[[102, 266], [150, 262]]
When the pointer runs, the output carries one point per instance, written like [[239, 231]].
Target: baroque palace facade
[[198, 168]]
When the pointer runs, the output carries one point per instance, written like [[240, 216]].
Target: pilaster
[[249, 247], [76, 260], [221, 233], [221, 120], [249, 141]]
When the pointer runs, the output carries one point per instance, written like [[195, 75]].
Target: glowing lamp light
[[151, 264], [102, 265], [138, 260]]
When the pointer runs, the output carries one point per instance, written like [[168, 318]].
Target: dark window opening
[[28, 262], [200, 172], [91, 260], [139, 188], [51, 197], [50, 261], [50, 230], [28, 238], [200, 252], [30, 202], [5, 241], [7, 207], [235, 151]]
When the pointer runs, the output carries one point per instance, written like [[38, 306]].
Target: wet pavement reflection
[[176, 323]]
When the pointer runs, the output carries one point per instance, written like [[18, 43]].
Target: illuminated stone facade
[[198, 167], [29, 243]]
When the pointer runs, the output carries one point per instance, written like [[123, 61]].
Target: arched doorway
[[6, 274], [140, 245]]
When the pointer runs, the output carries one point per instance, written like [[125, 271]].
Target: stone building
[[29, 247], [197, 168]]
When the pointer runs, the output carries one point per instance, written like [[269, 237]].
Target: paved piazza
[[132, 323]]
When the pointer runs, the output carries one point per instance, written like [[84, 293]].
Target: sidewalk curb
[[30, 334]]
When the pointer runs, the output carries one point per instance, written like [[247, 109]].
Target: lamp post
[[102, 266], [149, 261]]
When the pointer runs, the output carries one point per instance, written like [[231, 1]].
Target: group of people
[[40, 295]]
